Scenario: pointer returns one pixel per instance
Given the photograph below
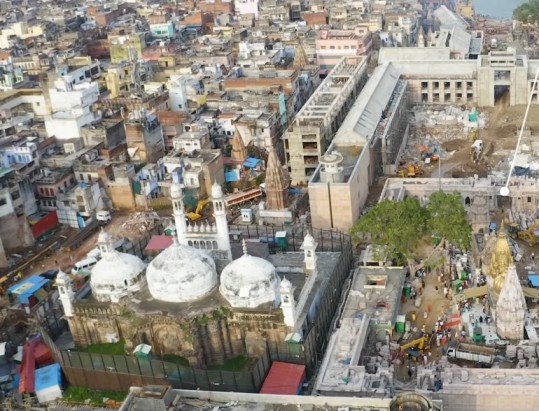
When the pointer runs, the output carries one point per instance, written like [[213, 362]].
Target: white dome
[[115, 275], [181, 273], [216, 191], [249, 281]]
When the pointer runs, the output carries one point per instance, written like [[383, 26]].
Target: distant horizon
[[501, 9]]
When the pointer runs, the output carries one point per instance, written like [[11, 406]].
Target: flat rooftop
[[158, 399], [376, 292]]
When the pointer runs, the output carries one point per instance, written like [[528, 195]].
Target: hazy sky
[[497, 8]]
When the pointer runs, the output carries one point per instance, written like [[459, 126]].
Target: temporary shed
[[284, 378], [48, 383], [29, 291]]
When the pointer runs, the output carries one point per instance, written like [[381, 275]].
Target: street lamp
[[504, 191]]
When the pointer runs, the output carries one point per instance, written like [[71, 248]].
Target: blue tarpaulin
[[231, 176], [534, 279], [27, 287], [48, 376], [251, 162]]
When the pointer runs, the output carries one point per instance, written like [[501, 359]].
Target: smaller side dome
[[249, 282], [115, 275]]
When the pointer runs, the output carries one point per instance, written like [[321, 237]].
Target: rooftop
[[155, 398]]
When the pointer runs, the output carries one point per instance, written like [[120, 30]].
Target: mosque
[[196, 299]]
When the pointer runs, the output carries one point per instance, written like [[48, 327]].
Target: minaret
[[309, 249], [239, 152], [219, 213], [66, 293], [421, 37], [276, 183], [104, 242], [176, 195], [288, 305]]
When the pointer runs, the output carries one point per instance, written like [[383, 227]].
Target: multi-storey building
[[317, 122], [332, 45]]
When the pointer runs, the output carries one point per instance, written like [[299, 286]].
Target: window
[[529, 199], [3, 201]]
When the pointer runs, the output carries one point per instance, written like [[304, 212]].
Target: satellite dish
[[504, 191]]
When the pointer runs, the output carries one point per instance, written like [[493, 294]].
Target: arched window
[[214, 245], [190, 243]]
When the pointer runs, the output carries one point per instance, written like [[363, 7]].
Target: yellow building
[[121, 45]]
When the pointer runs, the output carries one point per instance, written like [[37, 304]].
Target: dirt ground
[[499, 137], [431, 298], [118, 228]]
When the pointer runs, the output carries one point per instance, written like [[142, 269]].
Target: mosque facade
[[183, 303]]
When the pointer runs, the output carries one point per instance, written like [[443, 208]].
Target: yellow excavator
[[525, 235], [411, 170], [195, 215], [420, 344]]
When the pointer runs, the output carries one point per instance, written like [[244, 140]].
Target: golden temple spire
[[500, 260]]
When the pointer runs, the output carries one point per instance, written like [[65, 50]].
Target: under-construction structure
[[317, 122]]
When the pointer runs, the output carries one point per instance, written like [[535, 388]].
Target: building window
[[3, 201], [529, 199]]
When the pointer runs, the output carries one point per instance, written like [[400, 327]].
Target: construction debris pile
[[141, 222], [438, 133]]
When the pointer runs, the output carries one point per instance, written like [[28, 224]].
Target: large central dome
[[181, 273], [249, 282]]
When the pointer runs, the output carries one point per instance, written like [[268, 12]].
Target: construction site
[[460, 141]]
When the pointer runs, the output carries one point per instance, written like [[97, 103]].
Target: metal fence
[[119, 372], [328, 240]]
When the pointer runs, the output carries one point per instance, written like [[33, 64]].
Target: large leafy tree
[[448, 218], [396, 227], [527, 12]]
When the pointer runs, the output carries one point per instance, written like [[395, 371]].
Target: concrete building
[[71, 101], [372, 304], [124, 45], [368, 140], [314, 126], [144, 136], [158, 398], [332, 45], [247, 7], [482, 82]]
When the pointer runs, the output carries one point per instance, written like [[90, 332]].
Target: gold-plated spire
[[500, 260]]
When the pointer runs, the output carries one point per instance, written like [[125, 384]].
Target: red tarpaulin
[[284, 378]]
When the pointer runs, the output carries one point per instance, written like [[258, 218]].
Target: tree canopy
[[394, 226], [448, 218], [527, 12], [397, 227]]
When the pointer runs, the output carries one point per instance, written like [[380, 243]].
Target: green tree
[[527, 12], [396, 227], [448, 218]]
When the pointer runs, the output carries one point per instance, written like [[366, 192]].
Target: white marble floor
[[489, 330]]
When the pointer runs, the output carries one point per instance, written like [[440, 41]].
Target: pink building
[[244, 7], [332, 45]]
